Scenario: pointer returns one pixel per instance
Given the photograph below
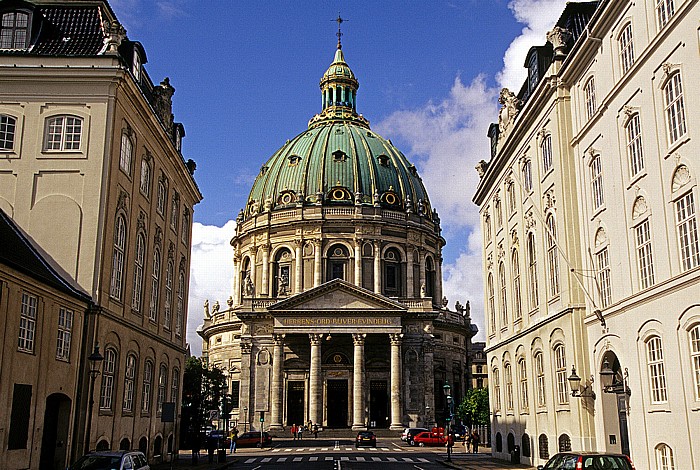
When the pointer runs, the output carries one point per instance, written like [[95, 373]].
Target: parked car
[[366, 439], [431, 439], [112, 460], [459, 432], [409, 433], [252, 439], [588, 461]]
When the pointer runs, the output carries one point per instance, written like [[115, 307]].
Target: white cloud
[[211, 272]]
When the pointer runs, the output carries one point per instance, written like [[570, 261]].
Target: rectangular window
[[14, 30], [687, 225], [496, 391], [65, 326], [524, 405], [235, 393], [695, 357], [547, 153], [597, 182], [126, 152], [508, 377], [634, 145], [162, 197], [560, 363], [7, 132], [626, 48], [675, 108], [603, 277], [63, 133], [589, 98], [657, 373], [27, 322], [19, 417], [539, 370], [527, 175], [664, 11], [644, 257]]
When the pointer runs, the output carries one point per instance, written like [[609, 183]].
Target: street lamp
[[449, 412], [612, 383], [245, 418], [225, 409], [575, 385], [94, 360]]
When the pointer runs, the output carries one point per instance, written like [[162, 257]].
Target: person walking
[[300, 432], [315, 431], [234, 438], [294, 432], [475, 442]]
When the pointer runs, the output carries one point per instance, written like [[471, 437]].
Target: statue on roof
[[510, 106]]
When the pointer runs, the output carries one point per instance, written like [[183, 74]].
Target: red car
[[252, 439], [431, 439]]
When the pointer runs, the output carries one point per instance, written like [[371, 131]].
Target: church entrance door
[[378, 404], [295, 402], [337, 403]]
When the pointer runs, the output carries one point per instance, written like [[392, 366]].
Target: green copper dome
[[338, 160]]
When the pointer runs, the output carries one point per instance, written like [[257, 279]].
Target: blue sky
[[246, 75]]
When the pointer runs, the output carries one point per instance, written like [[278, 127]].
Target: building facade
[[620, 78], [92, 169], [336, 315], [479, 366]]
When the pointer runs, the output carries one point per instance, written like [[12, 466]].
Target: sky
[[246, 75]]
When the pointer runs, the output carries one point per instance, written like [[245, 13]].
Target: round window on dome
[[286, 198]]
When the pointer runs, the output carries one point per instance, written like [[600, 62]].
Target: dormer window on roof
[[14, 30], [136, 65]]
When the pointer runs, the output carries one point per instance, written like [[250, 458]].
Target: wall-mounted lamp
[[328, 338], [575, 385], [613, 382]]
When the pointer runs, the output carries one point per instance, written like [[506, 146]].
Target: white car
[[112, 460]]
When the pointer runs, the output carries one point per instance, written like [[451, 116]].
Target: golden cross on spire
[[339, 20]]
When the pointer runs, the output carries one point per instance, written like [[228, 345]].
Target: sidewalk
[[482, 460], [184, 461]]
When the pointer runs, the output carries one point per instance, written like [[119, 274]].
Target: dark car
[[588, 461], [112, 460], [252, 439], [409, 433], [459, 432], [365, 439]]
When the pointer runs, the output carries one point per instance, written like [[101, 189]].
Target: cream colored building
[[92, 169], [622, 89], [336, 315]]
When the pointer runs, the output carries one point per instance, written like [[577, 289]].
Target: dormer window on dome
[[383, 160], [294, 160], [339, 156], [14, 30]]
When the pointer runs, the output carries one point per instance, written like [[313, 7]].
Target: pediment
[[337, 295]]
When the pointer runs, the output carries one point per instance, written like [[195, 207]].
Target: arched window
[[539, 372], [645, 260], [175, 387], [430, 279], [552, 256], [393, 273], [145, 183], [155, 287], [185, 229], [63, 133], [508, 379], [527, 175], [603, 276], [626, 47], [101, 446], [168, 294], [109, 366], [635, 151], [162, 196], [657, 371], [180, 310], [664, 11], [499, 442], [560, 365], [532, 270], [675, 108], [7, 132], [515, 269], [496, 390], [124, 444], [510, 196], [126, 151], [694, 337], [503, 298], [337, 262], [564, 443], [525, 445], [546, 148], [687, 228], [162, 384], [544, 447], [14, 30], [117, 280], [129, 376], [664, 458], [139, 259], [175, 211], [510, 441], [492, 306], [589, 98], [522, 372], [143, 445], [147, 384], [282, 282], [596, 169]]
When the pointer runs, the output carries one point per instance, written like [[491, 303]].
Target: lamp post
[[94, 360], [245, 419], [449, 412], [224, 411]]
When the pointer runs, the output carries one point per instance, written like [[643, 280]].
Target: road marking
[[348, 448], [250, 460], [360, 459], [329, 458], [287, 450], [276, 450], [376, 459], [312, 450], [385, 448], [300, 450], [282, 459], [313, 459], [345, 458], [391, 459], [265, 460], [421, 459], [297, 459], [407, 459], [419, 468], [325, 448]]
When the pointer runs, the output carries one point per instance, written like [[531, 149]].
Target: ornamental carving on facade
[[246, 347], [549, 199], [229, 301], [216, 307], [530, 221], [510, 107], [558, 37], [681, 177], [123, 201], [514, 238], [114, 34], [358, 339], [206, 309], [481, 168], [141, 221], [158, 237], [395, 338], [248, 286]]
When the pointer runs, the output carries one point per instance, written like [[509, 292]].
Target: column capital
[[278, 338], [358, 242], [395, 338], [265, 247], [359, 338], [377, 244], [315, 338], [317, 242], [246, 347], [298, 243]]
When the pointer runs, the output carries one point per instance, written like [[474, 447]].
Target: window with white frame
[[162, 196], [510, 196], [546, 147], [499, 214], [63, 133], [492, 306], [146, 387], [522, 372], [626, 47], [589, 98], [180, 310], [527, 175], [532, 270], [14, 30], [645, 261], [65, 330], [603, 277], [517, 303], [675, 108], [539, 371], [8, 126], [687, 226], [139, 259], [635, 151], [597, 182], [162, 384], [27, 322], [155, 287], [664, 11], [175, 387], [664, 458], [145, 183], [487, 227], [503, 299], [117, 279], [126, 152], [694, 337], [552, 256], [657, 371], [508, 379], [109, 367], [129, 376], [560, 364], [496, 390], [168, 294]]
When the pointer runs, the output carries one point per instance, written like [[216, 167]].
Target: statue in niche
[[423, 291], [248, 286], [283, 284]]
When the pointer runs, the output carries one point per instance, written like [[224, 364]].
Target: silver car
[[112, 460]]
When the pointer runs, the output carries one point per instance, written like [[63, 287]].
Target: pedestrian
[[467, 442], [315, 431], [196, 446], [234, 438], [475, 441], [300, 432], [294, 432]]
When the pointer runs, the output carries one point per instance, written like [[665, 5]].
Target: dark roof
[[69, 31], [19, 251], [575, 18]]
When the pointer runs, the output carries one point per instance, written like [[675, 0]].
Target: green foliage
[[202, 391], [474, 408]]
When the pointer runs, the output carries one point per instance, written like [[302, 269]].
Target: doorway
[[337, 403], [378, 404], [614, 404], [295, 402], [55, 435]]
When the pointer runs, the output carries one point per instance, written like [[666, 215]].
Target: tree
[[474, 409], [202, 391]]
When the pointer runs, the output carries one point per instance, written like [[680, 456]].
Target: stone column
[[409, 271], [277, 382], [315, 385], [265, 291], [358, 381], [317, 262], [396, 421], [253, 251], [299, 255], [377, 267], [358, 262], [245, 401], [429, 389], [438, 275], [236, 279], [421, 269]]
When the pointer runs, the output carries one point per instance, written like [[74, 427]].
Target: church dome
[[338, 160]]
